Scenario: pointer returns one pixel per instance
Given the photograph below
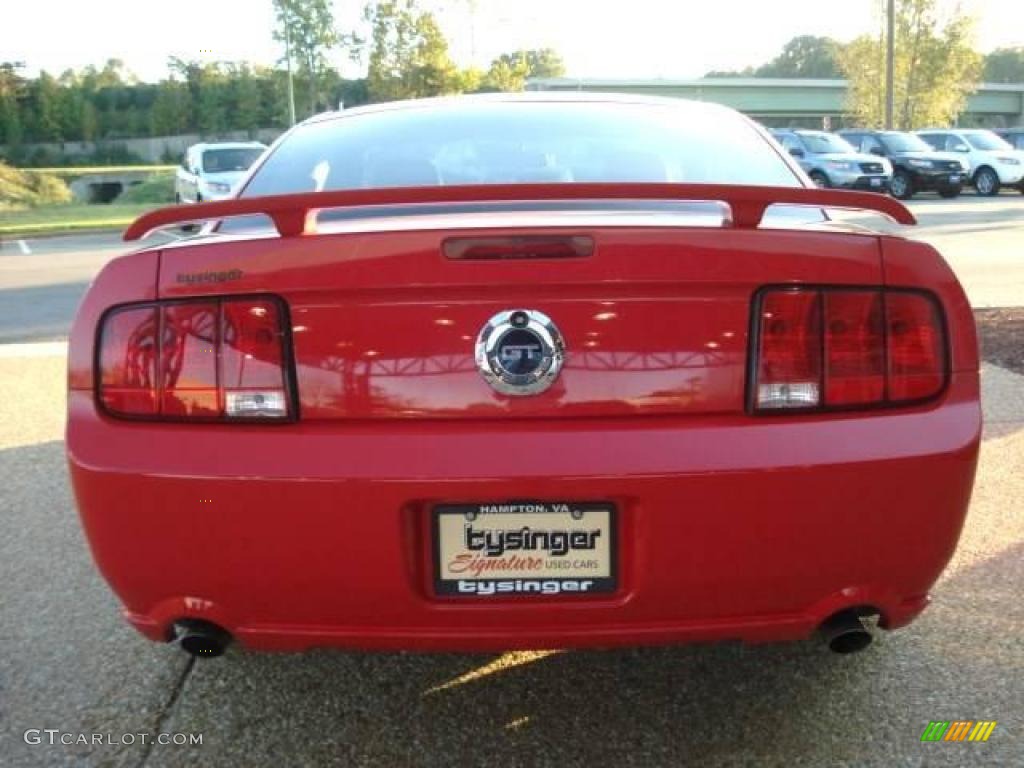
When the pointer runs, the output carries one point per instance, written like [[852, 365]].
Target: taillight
[[203, 360], [819, 348], [917, 346]]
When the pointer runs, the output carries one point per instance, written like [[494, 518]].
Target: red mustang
[[509, 372]]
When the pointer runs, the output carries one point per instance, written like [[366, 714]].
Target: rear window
[[521, 142]]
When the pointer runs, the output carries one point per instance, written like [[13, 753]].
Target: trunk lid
[[384, 325]]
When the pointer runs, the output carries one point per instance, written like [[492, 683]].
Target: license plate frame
[[534, 565]]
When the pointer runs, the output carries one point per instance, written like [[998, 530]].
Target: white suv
[[211, 171], [994, 163]]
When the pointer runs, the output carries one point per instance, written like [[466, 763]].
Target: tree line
[[406, 56], [405, 52]]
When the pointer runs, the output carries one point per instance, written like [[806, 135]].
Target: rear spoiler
[[295, 215]]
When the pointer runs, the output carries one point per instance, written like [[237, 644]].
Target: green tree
[[211, 110], [45, 98], [1005, 65], [935, 67], [171, 112], [506, 74], [805, 56], [746, 72], [273, 88], [408, 53], [510, 71], [308, 28], [12, 89], [88, 121]]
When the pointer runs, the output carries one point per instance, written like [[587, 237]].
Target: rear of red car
[[502, 427]]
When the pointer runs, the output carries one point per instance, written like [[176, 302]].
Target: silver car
[[211, 171], [831, 162]]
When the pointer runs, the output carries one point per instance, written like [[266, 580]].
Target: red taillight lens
[[252, 360], [208, 359], [917, 346], [789, 359], [188, 360], [854, 347], [842, 348], [127, 360]]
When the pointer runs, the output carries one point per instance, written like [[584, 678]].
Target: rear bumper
[[304, 535]]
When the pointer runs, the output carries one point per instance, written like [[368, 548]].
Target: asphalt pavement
[[69, 664], [42, 280]]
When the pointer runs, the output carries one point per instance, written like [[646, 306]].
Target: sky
[[596, 38]]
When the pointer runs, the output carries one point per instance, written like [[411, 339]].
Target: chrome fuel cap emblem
[[520, 352]]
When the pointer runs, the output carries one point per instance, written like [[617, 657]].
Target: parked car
[[917, 167], [210, 171], [511, 371], [993, 162], [1015, 138], [831, 162]]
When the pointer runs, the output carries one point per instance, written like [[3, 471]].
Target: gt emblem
[[520, 352]]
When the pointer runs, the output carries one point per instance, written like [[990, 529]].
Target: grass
[[157, 189], [38, 203], [69, 218], [22, 190]]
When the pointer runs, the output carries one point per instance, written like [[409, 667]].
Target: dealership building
[[792, 102]]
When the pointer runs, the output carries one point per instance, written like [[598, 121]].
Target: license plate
[[535, 549], [876, 182], [954, 178]]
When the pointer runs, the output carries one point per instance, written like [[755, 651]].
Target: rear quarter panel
[[128, 278], [913, 264]]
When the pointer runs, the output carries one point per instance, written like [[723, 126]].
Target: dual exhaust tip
[[202, 639], [843, 633]]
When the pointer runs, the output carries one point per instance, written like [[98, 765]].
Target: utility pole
[[890, 56], [288, 61]]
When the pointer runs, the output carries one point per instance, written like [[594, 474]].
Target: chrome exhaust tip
[[202, 639], [845, 632]]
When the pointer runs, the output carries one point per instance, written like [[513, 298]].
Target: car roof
[[456, 103]]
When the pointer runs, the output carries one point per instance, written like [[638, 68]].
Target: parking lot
[[69, 663]]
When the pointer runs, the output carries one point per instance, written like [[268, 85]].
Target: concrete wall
[[104, 187], [151, 150]]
